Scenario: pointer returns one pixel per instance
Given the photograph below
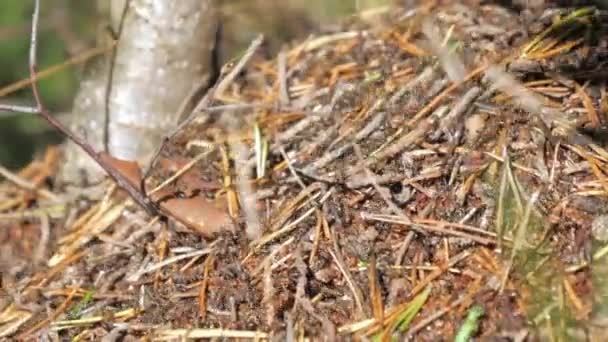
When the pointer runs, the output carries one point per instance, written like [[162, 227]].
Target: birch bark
[[164, 48]]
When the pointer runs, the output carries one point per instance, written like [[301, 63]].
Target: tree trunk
[[164, 49]]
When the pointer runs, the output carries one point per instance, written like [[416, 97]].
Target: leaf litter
[[385, 180]]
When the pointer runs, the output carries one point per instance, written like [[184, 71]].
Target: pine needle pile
[[420, 173]]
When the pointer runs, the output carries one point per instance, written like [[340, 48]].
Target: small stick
[[371, 178], [371, 126], [25, 184], [19, 109], [291, 168], [11, 88], [227, 81], [61, 309], [212, 93], [444, 94], [116, 175], [282, 75], [457, 111]]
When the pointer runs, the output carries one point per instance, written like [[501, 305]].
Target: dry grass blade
[[566, 47], [14, 178], [61, 309], [520, 236], [188, 334], [318, 42], [154, 267], [83, 57], [594, 164], [309, 194], [443, 95], [473, 290], [355, 290], [594, 118], [574, 16], [90, 231], [11, 319], [432, 226], [374, 289], [202, 297], [180, 172], [71, 324], [437, 273]]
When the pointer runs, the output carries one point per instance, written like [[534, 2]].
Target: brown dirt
[[394, 185]]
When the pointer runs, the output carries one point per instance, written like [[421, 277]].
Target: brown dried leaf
[[207, 217]]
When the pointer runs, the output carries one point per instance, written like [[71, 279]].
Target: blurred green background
[[69, 27]]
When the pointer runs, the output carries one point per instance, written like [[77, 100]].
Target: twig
[[354, 182], [410, 138], [219, 88], [185, 334], [457, 111], [19, 109], [55, 314], [372, 179], [225, 83], [40, 252], [526, 99], [56, 68], [434, 227], [404, 247], [20, 182], [268, 293], [254, 229], [357, 294], [291, 168], [372, 125], [181, 171], [426, 76], [110, 79], [303, 301], [151, 268], [282, 71], [116, 175], [443, 95]]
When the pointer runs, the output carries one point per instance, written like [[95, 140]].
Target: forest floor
[[431, 173]]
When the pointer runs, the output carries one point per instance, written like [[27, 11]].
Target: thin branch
[[19, 109], [223, 85], [216, 90], [372, 179], [118, 177], [25, 184], [109, 82]]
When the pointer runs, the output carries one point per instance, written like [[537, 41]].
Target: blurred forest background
[[70, 27]]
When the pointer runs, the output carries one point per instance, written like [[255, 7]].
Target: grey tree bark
[[164, 48]]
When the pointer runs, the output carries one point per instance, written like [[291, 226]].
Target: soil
[[384, 179]]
